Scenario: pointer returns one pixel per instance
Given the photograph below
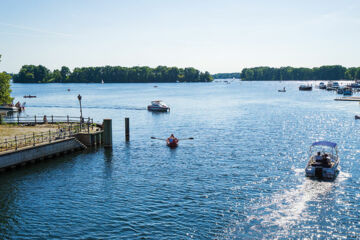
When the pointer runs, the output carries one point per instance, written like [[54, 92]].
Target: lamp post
[[79, 97]]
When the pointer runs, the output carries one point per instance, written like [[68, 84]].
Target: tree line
[[226, 75], [109, 74], [334, 72]]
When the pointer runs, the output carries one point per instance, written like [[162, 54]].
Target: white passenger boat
[[8, 108], [158, 106], [323, 161]]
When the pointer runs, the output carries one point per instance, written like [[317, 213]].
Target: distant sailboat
[[102, 81]]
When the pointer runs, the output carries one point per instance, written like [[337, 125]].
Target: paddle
[[190, 138], [158, 138]]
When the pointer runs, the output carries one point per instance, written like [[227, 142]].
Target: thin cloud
[[36, 30]]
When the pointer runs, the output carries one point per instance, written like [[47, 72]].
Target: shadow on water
[[108, 155]]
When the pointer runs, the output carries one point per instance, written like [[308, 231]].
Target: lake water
[[242, 177]]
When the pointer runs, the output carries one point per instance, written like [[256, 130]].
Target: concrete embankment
[[68, 137], [47, 150]]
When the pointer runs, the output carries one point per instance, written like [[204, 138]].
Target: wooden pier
[[350, 99]]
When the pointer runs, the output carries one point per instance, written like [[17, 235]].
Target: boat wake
[[276, 215], [92, 107], [286, 209]]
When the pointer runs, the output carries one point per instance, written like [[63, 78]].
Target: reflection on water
[[242, 177]]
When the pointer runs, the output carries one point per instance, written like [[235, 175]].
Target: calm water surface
[[241, 178]]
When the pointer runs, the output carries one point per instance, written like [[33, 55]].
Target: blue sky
[[213, 35]]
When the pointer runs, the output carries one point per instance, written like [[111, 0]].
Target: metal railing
[[20, 141], [45, 119]]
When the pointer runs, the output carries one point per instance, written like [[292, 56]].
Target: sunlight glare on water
[[242, 177]]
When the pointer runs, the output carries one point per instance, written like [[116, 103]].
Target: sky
[[213, 35]]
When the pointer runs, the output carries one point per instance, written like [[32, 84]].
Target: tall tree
[[5, 90], [65, 73]]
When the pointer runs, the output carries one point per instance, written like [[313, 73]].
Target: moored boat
[[329, 85], [282, 90], [324, 161], [340, 90], [336, 85], [347, 91], [322, 85], [305, 87], [356, 84], [158, 106]]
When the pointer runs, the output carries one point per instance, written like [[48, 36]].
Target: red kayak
[[173, 143]]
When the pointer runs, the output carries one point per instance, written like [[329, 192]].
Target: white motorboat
[[323, 161], [336, 85], [322, 85], [9, 108], [158, 106]]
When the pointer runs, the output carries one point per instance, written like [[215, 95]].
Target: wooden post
[[49, 136], [107, 132], [52, 119], [67, 119], [15, 143], [25, 139], [127, 129], [88, 124], [6, 144], [35, 119], [33, 139]]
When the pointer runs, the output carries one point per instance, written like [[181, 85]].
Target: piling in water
[[107, 132], [127, 129]]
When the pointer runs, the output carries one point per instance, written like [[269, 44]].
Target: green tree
[[65, 73], [5, 90]]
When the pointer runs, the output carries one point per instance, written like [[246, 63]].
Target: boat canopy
[[324, 143]]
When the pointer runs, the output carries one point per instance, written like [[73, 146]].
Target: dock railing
[[68, 128], [45, 119]]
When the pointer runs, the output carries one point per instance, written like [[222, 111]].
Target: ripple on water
[[241, 178]]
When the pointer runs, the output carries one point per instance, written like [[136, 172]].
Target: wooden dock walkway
[[352, 99]]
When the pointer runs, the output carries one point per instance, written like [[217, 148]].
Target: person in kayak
[[171, 138]]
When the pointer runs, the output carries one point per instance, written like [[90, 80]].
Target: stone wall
[[24, 155]]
